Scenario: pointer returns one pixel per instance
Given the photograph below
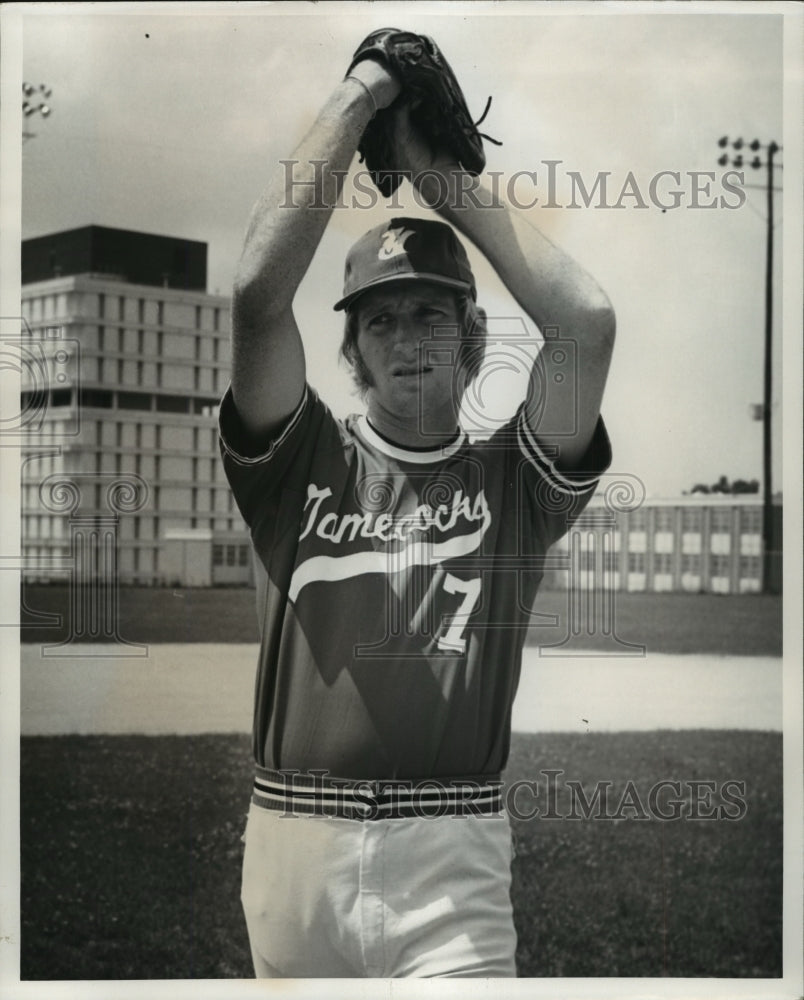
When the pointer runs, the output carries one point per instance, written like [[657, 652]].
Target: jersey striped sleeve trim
[[437, 454], [228, 422], [599, 453]]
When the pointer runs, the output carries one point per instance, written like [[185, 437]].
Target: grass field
[[131, 859], [670, 623], [131, 846]]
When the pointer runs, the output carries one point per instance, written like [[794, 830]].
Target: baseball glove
[[438, 109]]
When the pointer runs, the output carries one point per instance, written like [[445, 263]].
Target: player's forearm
[[547, 282], [289, 219]]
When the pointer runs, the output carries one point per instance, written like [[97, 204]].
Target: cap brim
[[432, 279]]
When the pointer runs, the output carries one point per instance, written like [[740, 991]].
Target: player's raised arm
[[286, 225], [552, 288]]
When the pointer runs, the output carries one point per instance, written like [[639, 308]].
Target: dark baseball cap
[[405, 249]]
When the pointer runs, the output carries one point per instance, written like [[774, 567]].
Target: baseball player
[[397, 563]]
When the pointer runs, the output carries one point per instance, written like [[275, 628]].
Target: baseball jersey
[[394, 588]]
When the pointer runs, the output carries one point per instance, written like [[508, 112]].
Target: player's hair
[[470, 355]]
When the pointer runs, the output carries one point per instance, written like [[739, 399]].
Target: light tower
[[771, 149], [34, 101]]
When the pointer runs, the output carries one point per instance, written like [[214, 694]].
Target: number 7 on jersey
[[453, 640]]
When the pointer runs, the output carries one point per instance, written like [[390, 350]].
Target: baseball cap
[[406, 249]]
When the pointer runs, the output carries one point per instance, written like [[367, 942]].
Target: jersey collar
[[437, 454]]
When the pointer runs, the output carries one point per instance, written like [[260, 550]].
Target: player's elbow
[[255, 300], [605, 324], [599, 324]]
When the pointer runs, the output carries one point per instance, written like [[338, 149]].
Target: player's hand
[[383, 86], [414, 155]]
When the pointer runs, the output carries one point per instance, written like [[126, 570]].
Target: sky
[[171, 120]]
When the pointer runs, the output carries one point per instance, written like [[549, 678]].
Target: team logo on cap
[[393, 242]]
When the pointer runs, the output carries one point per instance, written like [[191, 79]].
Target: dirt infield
[[208, 687]]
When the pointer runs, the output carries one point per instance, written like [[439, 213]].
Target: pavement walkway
[[194, 688]]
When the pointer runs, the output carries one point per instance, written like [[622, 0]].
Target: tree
[[723, 486]]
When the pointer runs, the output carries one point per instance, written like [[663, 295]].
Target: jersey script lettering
[[385, 527]]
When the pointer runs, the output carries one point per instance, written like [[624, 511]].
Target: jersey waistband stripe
[[295, 794]]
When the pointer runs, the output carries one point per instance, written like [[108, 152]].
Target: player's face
[[408, 335]]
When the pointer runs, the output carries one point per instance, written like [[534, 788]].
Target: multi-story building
[[701, 543], [124, 358]]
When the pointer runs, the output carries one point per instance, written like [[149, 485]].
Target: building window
[[750, 567], [136, 527], [663, 562], [119, 369], [611, 561], [638, 520], [100, 369], [134, 400], [118, 433], [636, 562], [141, 310], [691, 519], [101, 305], [242, 555], [195, 439], [691, 563], [121, 308], [140, 341], [231, 555], [721, 519], [172, 404], [719, 565], [215, 348], [587, 559], [140, 368], [217, 555], [198, 318], [121, 347], [216, 319], [664, 519], [196, 377], [101, 337], [96, 397], [194, 498], [160, 319], [158, 436], [751, 520], [193, 522]]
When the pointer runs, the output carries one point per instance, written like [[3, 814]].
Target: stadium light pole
[[30, 96], [772, 148]]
